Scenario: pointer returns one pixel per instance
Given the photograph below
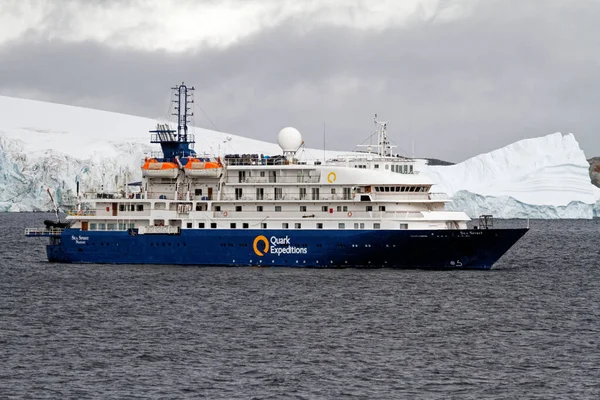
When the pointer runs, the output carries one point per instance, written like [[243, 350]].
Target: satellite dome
[[289, 139]]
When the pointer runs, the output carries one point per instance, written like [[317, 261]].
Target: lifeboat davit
[[203, 168], [153, 168]]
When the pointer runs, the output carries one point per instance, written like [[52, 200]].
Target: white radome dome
[[289, 139]]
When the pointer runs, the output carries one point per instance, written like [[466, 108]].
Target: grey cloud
[[513, 69]]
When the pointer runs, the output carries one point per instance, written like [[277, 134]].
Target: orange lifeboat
[[203, 167], [153, 168]]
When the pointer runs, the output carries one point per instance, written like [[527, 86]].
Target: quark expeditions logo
[[276, 245], [331, 177]]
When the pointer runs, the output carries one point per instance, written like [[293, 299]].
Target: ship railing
[[266, 179], [337, 215], [168, 230], [32, 232], [85, 213]]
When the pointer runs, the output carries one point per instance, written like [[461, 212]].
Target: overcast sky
[[455, 78]]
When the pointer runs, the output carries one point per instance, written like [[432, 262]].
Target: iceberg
[[46, 145], [546, 177]]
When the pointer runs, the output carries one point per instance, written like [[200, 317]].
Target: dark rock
[[595, 170]]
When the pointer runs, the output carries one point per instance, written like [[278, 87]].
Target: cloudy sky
[[455, 78]]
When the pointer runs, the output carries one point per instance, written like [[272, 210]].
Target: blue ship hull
[[438, 249]]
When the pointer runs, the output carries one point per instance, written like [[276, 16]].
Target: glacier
[[47, 145]]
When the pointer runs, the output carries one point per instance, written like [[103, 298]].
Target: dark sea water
[[529, 328]]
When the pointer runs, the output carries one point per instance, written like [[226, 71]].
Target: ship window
[[101, 227], [303, 208], [189, 225], [238, 193], [332, 190], [381, 208], [131, 226], [345, 208], [369, 208], [232, 225], [412, 189], [377, 188], [121, 207], [410, 169], [403, 189], [324, 208], [263, 225], [387, 188], [93, 227], [259, 208], [217, 208], [111, 227], [122, 226], [245, 225], [362, 225], [403, 226], [140, 207], [213, 225], [376, 225], [356, 225], [198, 192], [339, 208], [278, 192], [319, 225], [341, 225], [201, 225], [315, 193], [285, 225], [262, 174], [376, 166], [278, 208], [387, 166], [238, 208], [298, 225]]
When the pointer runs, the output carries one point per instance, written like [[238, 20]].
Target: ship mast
[[178, 146], [183, 99]]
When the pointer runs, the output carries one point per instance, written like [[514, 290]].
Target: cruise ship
[[371, 209]]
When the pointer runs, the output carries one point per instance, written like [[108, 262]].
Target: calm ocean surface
[[529, 328]]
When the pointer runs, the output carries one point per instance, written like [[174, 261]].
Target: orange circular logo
[[258, 239]]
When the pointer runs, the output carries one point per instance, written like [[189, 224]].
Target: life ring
[[224, 213], [349, 213]]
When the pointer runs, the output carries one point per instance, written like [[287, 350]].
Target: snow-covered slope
[[50, 145]]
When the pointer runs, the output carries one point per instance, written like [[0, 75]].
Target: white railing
[[43, 232], [169, 230], [319, 215]]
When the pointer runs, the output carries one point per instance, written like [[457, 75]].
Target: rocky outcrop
[[595, 170]]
